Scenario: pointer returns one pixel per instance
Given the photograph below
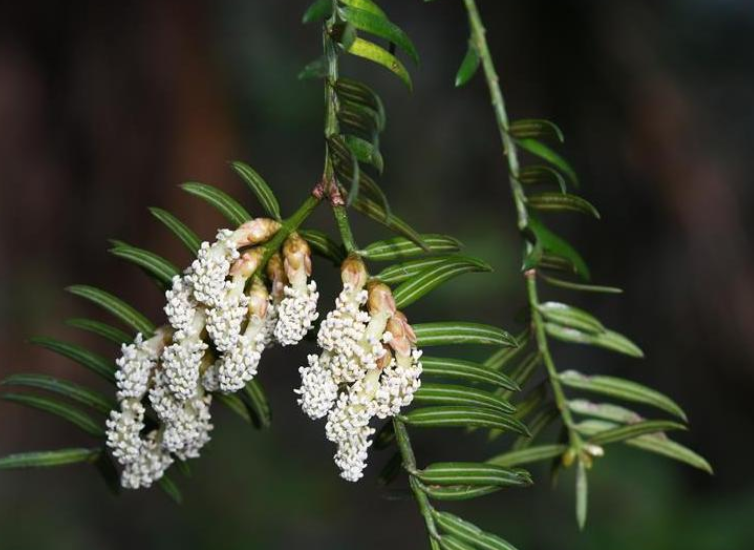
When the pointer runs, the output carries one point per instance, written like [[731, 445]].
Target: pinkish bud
[[258, 298], [380, 299], [297, 259], [403, 335], [247, 264], [255, 231], [353, 272], [386, 359], [276, 275]]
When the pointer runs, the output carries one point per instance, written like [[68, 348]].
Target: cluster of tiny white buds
[[182, 359], [143, 462], [212, 265], [225, 319], [174, 372], [209, 271], [180, 306], [278, 280], [348, 427], [238, 365], [369, 367], [185, 424], [318, 390], [297, 310]]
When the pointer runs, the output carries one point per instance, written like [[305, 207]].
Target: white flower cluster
[[142, 457], [175, 372], [369, 367], [298, 308]]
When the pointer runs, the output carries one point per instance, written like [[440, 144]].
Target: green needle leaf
[[358, 93], [670, 449], [47, 459], [542, 151], [402, 247], [397, 273], [178, 228], [530, 175], [536, 128], [170, 489], [473, 474], [379, 55], [235, 404], [621, 389], [462, 417], [457, 332], [459, 492], [469, 66], [324, 245], [116, 307], [378, 213], [391, 470], [157, 266], [451, 543], [581, 494], [530, 454], [259, 187], [365, 151], [570, 316], [256, 400], [548, 242], [446, 367], [432, 277], [92, 361], [379, 25], [448, 394], [604, 411], [104, 330], [366, 5], [560, 202], [469, 533], [314, 69], [319, 10], [224, 203], [578, 286], [76, 392], [632, 431], [607, 339], [657, 443], [363, 120], [67, 412]]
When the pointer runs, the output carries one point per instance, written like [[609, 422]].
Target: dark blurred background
[[106, 106]]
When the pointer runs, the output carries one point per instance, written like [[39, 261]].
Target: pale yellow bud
[[381, 299], [297, 258], [276, 275], [255, 231], [353, 272], [247, 264], [385, 360], [258, 298], [403, 335]]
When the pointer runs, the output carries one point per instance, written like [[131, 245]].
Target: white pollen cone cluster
[[297, 309], [141, 455], [220, 321], [369, 366]]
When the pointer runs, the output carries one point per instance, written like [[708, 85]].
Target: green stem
[[344, 227], [288, 226], [479, 40], [409, 464], [331, 129], [544, 350]]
